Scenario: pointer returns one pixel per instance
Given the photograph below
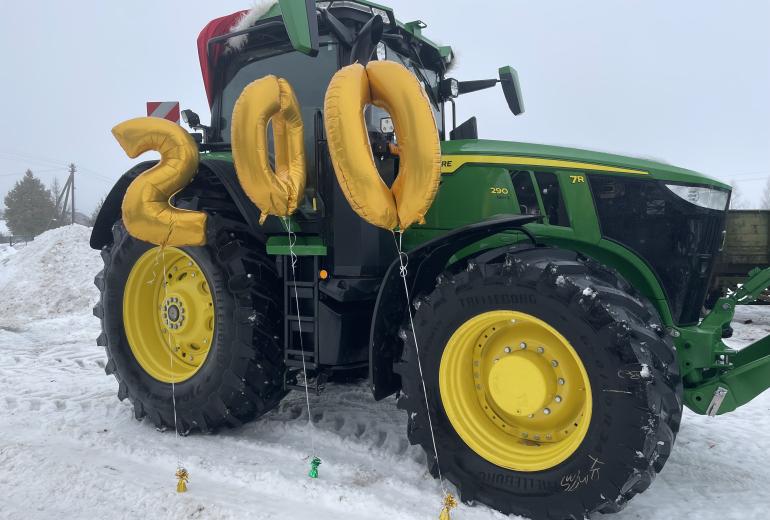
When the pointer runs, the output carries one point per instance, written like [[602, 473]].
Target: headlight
[[454, 88], [710, 198]]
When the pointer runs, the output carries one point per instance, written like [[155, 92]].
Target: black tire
[[636, 413], [242, 376]]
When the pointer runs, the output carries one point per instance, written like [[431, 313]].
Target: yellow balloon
[[147, 211], [392, 87], [280, 192], [350, 150]]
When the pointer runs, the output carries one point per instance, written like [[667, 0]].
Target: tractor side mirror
[[509, 80]]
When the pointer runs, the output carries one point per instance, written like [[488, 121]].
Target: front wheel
[[552, 388]]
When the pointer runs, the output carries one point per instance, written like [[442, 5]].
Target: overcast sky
[[685, 81]]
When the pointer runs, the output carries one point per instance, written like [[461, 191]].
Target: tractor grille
[[678, 240]]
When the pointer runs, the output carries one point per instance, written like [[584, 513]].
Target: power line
[[33, 171], [34, 158]]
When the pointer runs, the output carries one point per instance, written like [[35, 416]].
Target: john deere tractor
[[556, 295]]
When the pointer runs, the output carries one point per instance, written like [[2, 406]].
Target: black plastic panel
[[679, 240]]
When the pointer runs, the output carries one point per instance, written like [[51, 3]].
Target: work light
[[710, 198]]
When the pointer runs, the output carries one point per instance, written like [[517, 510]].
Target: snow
[[53, 276], [69, 449], [4, 231]]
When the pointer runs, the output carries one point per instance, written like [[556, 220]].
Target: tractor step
[[300, 339]]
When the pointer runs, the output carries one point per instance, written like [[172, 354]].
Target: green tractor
[[556, 294]]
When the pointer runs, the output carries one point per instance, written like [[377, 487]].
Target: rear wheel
[[553, 389], [205, 320]]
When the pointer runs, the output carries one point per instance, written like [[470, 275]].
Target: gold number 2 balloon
[[147, 211]]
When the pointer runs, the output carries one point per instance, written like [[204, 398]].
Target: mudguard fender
[[425, 263]]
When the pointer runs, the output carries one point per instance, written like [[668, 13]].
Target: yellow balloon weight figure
[[147, 211], [390, 86], [276, 192]]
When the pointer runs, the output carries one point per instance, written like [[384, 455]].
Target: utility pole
[[72, 187]]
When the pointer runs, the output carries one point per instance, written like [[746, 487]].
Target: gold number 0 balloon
[[147, 212], [274, 193], [391, 86]]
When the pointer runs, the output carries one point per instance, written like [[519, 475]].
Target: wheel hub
[[173, 313], [168, 314], [518, 385], [515, 390]]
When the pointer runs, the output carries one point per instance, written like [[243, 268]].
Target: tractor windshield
[[429, 79], [309, 76]]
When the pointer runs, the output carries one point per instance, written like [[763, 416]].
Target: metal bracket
[[716, 401]]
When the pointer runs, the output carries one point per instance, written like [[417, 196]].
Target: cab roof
[[209, 55]]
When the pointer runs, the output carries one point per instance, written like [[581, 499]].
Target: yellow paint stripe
[[451, 163]]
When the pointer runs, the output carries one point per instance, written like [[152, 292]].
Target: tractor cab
[[347, 32]]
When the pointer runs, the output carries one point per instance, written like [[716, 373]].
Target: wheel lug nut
[[557, 398], [554, 363], [546, 411], [540, 350], [537, 437], [531, 415], [522, 345], [561, 381], [497, 359], [507, 350]]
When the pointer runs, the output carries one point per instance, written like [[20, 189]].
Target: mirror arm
[[338, 28], [467, 87]]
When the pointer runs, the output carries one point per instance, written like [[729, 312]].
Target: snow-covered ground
[[69, 449]]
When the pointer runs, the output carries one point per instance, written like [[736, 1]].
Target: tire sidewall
[[194, 392], [590, 472]]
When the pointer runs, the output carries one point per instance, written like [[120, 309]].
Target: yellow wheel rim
[[515, 390], [168, 314]]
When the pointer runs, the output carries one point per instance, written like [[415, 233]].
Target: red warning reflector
[[164, 110]]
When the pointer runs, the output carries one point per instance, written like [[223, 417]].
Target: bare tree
[[96, 211], [765, 202], [736, 199]]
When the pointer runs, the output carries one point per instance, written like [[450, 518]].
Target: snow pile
[[52, 276], [5, 254]]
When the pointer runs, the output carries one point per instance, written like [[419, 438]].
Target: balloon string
[[181, 473], [403, 260], [293, 263]]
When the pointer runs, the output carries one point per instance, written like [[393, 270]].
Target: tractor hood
[[496, 151]]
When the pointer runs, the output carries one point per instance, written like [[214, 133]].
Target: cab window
[[539, 193], [525, 192], [553, 200]]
